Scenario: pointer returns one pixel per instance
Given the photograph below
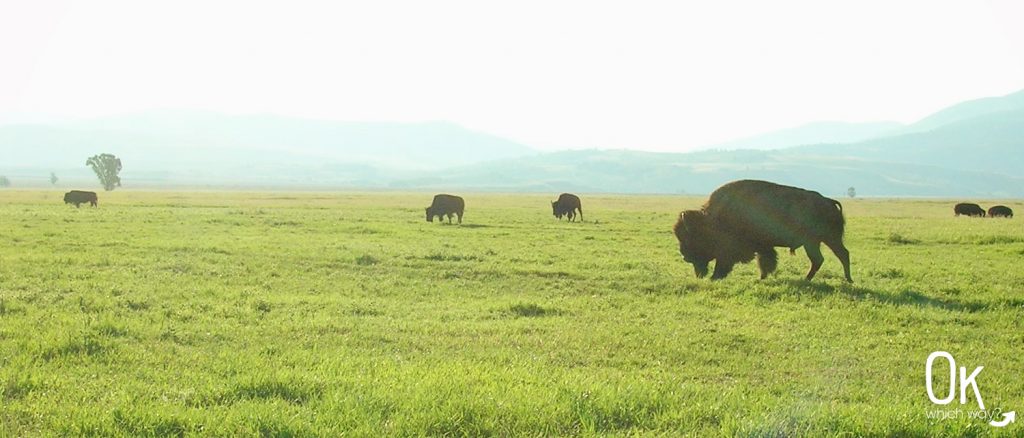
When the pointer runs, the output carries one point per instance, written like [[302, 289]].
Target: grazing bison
[[566, 205], [1000, 211], [968, 209], [746, 218], [446, 205], [79, 197]]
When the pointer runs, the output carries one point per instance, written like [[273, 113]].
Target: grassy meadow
[[325, 314]]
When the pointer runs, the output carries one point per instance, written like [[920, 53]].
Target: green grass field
[[295, 314]]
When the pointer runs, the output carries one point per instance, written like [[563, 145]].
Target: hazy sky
[[670, 75]]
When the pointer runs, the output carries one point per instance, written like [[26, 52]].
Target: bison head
[[554, 209], [430, 215], [695, 241]]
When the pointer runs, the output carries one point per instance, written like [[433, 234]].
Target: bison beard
[[747, 219]]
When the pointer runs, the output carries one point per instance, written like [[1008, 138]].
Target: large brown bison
[[446, 205], [566, 205], [746, 218], [1000, 211], [968, 209], [79, 197]]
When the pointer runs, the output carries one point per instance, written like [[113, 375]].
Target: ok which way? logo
[[965, 381]]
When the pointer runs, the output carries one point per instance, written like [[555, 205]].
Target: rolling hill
[[701, 172], [969, 110], [991, 143]]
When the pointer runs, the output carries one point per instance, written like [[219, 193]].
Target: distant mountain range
[[973, 149], [970, 109], [813, 133], [992, 143], [623, 171], [199, 148], [846, 132]]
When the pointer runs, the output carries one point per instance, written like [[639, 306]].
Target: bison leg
[[814, 253], [722, 269], [581, 213], [840, 250], [767, 260], [460, 218]]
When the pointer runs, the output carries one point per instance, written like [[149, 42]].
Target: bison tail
[[837, 218]]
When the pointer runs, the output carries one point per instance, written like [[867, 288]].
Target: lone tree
[[106, 166], [851, 192], [4, 182], [53, 179]]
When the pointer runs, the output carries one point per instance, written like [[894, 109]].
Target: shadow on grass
[[906, 297], [291, 391], [530, 310], [475, 226]]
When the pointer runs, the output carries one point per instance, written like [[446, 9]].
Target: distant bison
[[446, 205], [1000, 211], [968, 209], [746, 218], [566, 205], [79, 197]]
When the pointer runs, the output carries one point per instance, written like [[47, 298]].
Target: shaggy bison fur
[[748, 218], [1000, 211], [566, 205], [79, 197], [446, 205], [968, 209]]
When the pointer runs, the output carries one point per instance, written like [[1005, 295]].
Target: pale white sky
[[654, 75]]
